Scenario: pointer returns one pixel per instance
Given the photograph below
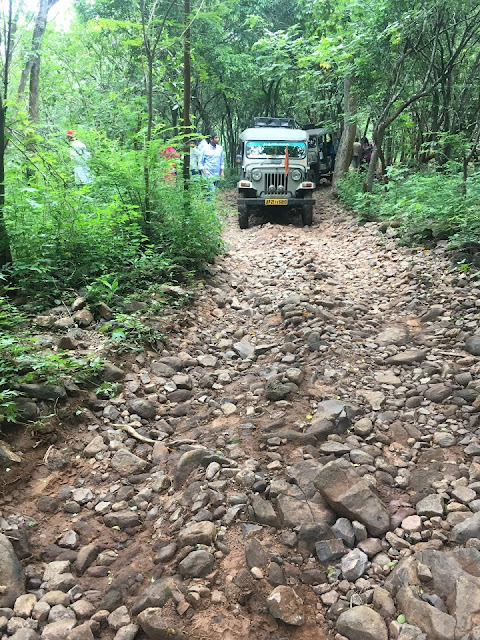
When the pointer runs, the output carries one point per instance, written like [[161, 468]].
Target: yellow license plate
[[276, 201]]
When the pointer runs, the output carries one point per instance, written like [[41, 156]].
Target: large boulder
[[12, 580], [351, 496], [435, 623]]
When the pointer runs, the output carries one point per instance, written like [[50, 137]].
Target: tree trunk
[[344, 153], [5, 252], [32, 67], [186, 107]]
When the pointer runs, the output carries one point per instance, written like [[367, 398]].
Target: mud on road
[[191, 505]]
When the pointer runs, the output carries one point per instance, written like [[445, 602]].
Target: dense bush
[[64, 236], [429, 204]]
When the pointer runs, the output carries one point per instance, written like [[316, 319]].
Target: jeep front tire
[[307, 215]]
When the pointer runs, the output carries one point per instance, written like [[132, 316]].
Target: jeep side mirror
[[238, 159]]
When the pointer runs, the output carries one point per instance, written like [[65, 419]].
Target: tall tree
[[32, 67], [5, 252], [345, 147], [186, 104]]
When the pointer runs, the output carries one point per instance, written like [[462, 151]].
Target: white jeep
[[274, 172]]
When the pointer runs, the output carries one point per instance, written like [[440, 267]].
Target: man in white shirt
[[211, 163], [80, 155]]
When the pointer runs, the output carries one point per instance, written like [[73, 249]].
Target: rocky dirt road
[[301, 462]]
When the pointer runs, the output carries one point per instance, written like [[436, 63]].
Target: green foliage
[[132, 333], [429, 204], [22, 361], [64, 237], [108, 390]]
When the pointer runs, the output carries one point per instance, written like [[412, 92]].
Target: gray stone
[[189, 461], [197, 533], [43, 391], [58, 630], [330, 550], [443, 439], [393, 335], [96, 445], [142, 407], [155, 595], [354, 565], [464, 494], [86, 556], [472, 345], [155, 626], [255, 554], [430, 506], [24, 604], [362, 623], [438, 392], [128, 632], [127, 463], [406, 357], [197, 564], [25, 634], [82, 632], [82, 495], [264, 512], [467, 603], [469, 528], [69, 540], [119, 618], [436, 624], [162, 370], [276, 390], [410, 632], [343, 529], [11, 574], [110, 372], [83, 318], [122, 519], [284, 604], [244, 349], [351, 496], [363, 427]]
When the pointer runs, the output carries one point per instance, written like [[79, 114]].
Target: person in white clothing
[[195, 155], [80, 156]]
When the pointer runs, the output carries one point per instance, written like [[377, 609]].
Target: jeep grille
[[276, 179]]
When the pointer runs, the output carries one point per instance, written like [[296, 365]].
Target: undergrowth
[[428, 205], [21, 361]]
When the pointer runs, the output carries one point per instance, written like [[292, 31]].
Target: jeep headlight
[[296, 174], [256, 174]]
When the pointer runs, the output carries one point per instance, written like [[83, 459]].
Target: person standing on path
[[195, 155], [211, 164], [80, 156], [366, 153], [357, 153], [203, 143]]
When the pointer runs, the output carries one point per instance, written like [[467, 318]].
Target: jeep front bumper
[[262, 202]]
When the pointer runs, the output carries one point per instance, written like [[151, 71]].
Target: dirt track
[[290, 318]]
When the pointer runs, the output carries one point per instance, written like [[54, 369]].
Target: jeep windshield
[[274, 149]]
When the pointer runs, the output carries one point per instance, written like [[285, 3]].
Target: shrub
[[429, 204]]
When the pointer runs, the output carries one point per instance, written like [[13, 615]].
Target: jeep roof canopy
[[318, 132], [274, 133], [287, 123]]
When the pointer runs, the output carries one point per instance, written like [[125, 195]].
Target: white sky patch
[[60, 15]]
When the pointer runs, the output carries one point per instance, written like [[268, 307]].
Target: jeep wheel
[[307, 215], [242, 217]]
